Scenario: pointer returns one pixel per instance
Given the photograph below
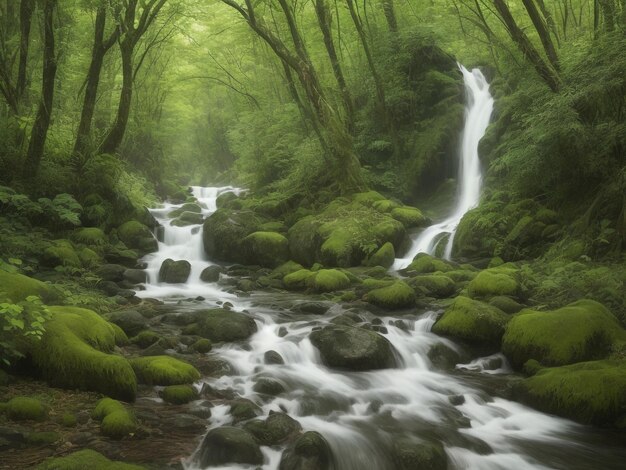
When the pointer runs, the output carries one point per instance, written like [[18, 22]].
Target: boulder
[[472, 321], [225, 325], [137, 236], [130, 321], [190, 207], [211, 274], [174, 272], [188, 218], [268, 249], [224, 232], [495, 282], [411, 454], [581, 331], [24, 409], [268, 386], [394, 296], [61, 253], [135, 276], [329, 280], [179, 394], [17, 287], [353, 348], [85, 458], [410, 217], [163, 370], [272, 357], [438, 286], [309, 452], [111, 272], [275, 430], [424, 263], [228, 445], [384, 257]]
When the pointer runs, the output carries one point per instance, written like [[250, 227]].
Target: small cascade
[[182, 243], [477, 116]]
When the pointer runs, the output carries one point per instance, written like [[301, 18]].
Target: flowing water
[[362, 414], [477, 115]]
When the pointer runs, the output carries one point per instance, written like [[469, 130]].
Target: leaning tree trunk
[[542, 30], [44, 112], [390, 15]]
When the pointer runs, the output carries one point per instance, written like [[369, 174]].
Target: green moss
[[461, 275], [493, 282], [385, 205], [83, 459], [132, 232], [42, 438], [202, 346], [179, 394], [395, 296], [224, 231], [298, 280], [18, 287], [368, 198], [61, 253], [424, 263], [187, 207], [90, 236], [409, 216], [588, 392], [164, 370], [286, 268], [269, 249], [25, 408], [145, 338], [225, 325], [472, 321], [118, 424], [328, 280], [506, 304], [69, 420], [74, 352], [384, 257], [370, 284], [434, 285], [89, 258], [105, 407], [581, 331], [188, 218]]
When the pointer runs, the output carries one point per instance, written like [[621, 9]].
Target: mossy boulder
[[434, 285], [61, 253], [75, 352], [191, 207], [187, 218], [410, 454], [299, 279], [174, 272], [85, 458], [211, 273], [268, 249], [310, 451], [472, 321], [179, 394], [89, 258], [351, 348], [410, 217], [225, 325], [90, 236], [42, 438], [130, 321], [137, 236], [145, 339], [17, 287], [202, 346], [424, 263], [588, 392], [25, 409], [286, 268], [495, 282], [276, 429], [224, 232], [343, 235], [394, 296], [384, 257], [116, 421], [581, 331], [164, 370], [329, 280], [228, 444]]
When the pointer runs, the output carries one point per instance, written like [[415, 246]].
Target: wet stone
[[272, 357]]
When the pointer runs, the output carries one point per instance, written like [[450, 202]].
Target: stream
[[362, 414]]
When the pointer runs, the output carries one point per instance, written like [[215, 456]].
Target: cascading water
[[477, 115]]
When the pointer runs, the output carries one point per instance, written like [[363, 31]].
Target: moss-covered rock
[[506, 304], [410, 217], [434, 285], [410, 454], [224, 232], [116, 421], [352, 348], [105, 407], [90, 236], [384, 257], [329, 280], [179, 394], [228, 444], [18, 287], [310, 451], [424, 263], [89, 258], [494, 282], [145, 338], [211, 273], [276, 429], [164, 370], [130, 321], [267, 249], [581, 331], [286, 268], [394, 296], [588, 392], [61, 253], [42, 438], [472, 321], [191, 207], [202, 346], [137, 236], [225, 325], [85, 458], [174, 272], [187, 218], [69, 420], [299, 279], [25, 409], [75, 352]]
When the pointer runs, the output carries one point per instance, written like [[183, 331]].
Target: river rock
[[229, 445], [174, 272], [267, 386], [225, 325], [224, 232], [211, 274], [353, 348], [410, 455], [309, 452], [135, 276], [111, 272], [131, 321], [272, 357], [276, 429]]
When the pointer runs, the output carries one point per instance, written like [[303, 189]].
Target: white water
[[477, 116]]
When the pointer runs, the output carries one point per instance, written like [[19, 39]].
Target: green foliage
[[85, 458], [164, 370], [25, 408]]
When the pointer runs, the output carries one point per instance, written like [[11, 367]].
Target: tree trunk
[[549, 21], [543, 32], [44, 112], [26, 14], [116, 134], [608, 13], [390, 15], [526, 47], [324, 20]]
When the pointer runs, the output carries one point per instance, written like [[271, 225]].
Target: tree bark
[[390, 15], [526, 47], [324, 20], [542, 30], [608, 13], [44, 112]]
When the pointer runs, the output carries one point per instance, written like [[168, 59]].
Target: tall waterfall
[[477, 115]]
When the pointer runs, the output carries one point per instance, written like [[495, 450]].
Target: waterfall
[[477, 114]]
